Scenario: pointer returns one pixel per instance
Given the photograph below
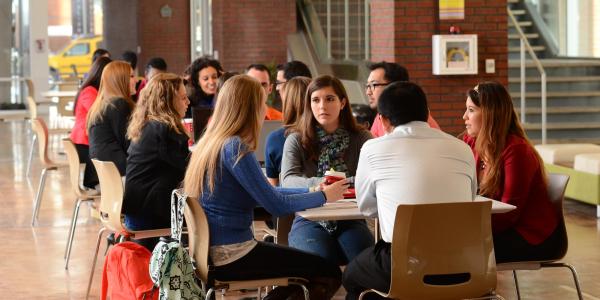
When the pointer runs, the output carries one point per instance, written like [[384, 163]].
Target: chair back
[[199, 238], [442, 251], [74, 166], [41, 130], [111, 195], [557, 184], [32, 107], [268, 127]]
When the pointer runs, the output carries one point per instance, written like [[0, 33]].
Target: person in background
[[204, 73], [382, 74], [131, 58], [100, 53], [108, 117], [154, 66], [412, 164], [83, 101], [293, 106], [327, 137], [261, 73], [226, 178], [226, 76], [510, 170], [157, 156], [289, 70]]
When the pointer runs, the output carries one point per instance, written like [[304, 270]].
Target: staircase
[[573, 87]]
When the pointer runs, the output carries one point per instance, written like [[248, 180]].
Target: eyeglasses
[[279, 82], [371, 86]]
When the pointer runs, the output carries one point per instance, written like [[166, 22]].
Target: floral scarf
[[333, 147]]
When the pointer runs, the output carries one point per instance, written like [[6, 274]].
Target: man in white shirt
[[413, 163]]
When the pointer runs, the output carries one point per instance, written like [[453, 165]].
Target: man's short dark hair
[[130, 57], [402, 102], [259, 67], [392, 72], [98, 53], [293, 69], [157, 63]]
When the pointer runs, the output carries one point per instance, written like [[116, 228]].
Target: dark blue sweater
[[274, 152]]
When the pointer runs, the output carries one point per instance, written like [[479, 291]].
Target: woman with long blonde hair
[[292, 99], [225, 176], [510, 170], [327, 137], [108, 117], [158, 154]]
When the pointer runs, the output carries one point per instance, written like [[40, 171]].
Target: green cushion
[[582, 186]]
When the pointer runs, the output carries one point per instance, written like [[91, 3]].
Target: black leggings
[[510, 246], [90, 178], [268, 260]]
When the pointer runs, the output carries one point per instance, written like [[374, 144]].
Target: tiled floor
[[31, 258]]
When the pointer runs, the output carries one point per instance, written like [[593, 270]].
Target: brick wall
[[168, 38], [246, 32], [401, 32]]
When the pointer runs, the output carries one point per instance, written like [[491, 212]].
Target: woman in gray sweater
[[327, 137]]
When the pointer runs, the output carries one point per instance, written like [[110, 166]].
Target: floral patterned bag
[[171, 268]]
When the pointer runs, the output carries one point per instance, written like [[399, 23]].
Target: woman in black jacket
[[108, 117], [158, 153]]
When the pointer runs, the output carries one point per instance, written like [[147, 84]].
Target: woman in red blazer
[[83, 101], [510, 170]]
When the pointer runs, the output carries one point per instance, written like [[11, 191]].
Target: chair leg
[[72, 231], [517, 284], [209, 294], [38, 197], [573, 271], [32, 148], [89, 287]]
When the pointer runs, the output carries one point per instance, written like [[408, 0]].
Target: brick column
[[401, 32], [246, 32]]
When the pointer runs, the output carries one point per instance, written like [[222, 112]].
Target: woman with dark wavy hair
[[204, 74], [510, 170]]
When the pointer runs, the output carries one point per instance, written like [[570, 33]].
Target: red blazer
[[524, 186], [86, 98]]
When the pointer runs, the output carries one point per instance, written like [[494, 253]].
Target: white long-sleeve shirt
[[414, 164]]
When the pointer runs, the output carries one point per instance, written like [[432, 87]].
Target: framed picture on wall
[[454, 54]]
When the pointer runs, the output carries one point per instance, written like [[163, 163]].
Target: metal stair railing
[[524, 44]]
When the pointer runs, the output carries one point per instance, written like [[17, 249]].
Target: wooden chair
[[199, 238], [557, 184], [81, 195], [111, 201], [41, 131], [442, 251], [33, 115]]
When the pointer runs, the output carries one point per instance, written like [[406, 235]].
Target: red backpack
[[125, 275]]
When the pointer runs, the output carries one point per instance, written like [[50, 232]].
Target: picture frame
[[454, 54]]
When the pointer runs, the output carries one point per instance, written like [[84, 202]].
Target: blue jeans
[[340, 246]]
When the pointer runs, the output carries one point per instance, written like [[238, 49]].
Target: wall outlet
[[490, 65]]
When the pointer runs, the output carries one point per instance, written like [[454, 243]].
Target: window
[[78, 50]]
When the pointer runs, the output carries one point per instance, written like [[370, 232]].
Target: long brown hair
[[157, 103], [308, 124], [499, 120], [238, 112], [114, 84], [293, 101]]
